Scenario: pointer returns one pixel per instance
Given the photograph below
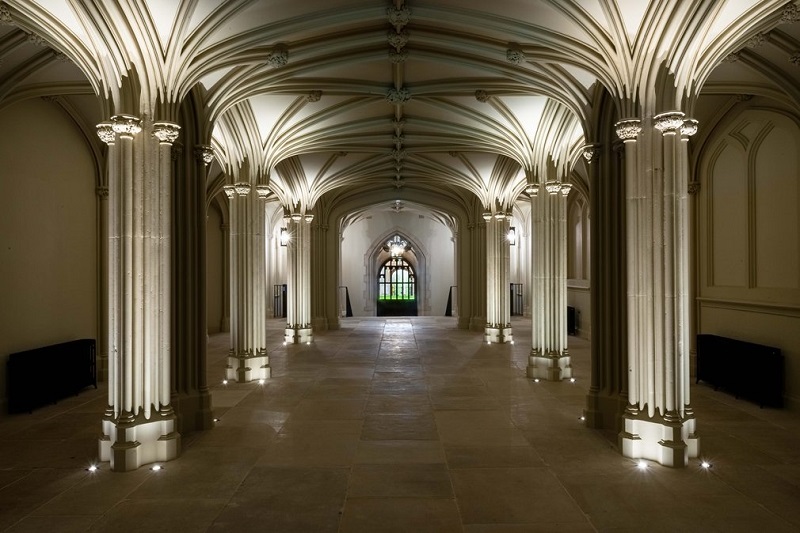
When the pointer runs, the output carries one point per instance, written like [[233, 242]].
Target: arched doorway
[[397, 281]]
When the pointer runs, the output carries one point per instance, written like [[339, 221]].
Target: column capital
[[262, 191], [126, 125], [591, 152], [166, 132], [565, 189], [670, 122], [204, 153], [694, 187], [689, 127], [105, 130], [552, 187], [230, 191], [628, 129], [242, 189], [102, 192]]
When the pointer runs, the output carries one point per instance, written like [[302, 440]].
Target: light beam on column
[[298, 291], [498, 257]]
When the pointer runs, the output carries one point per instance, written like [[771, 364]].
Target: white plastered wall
[[48, 231], [748, 236]]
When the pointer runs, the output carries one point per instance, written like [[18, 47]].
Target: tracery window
[[396, 280]]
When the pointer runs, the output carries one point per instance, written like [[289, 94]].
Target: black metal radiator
[[45, 375]]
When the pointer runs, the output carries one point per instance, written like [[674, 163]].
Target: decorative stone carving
[[126, 125], [262, 191], [794, 59], [398, 17], [565, 189], [398, 126], [398, 155], [591, 152], [61, 56], [230, 191], [242, 189], [757, 40], [341, 154], [397, 40], [106, 132], [278, 58], [532, 189], [743, 97], [731, 58], [552, 187], [694, 187], [308, 218], [398, 57], [166, 132], [689, 127], [102, 192], [314, 96], [36, 40], [515, 56], [204, 153], [481, 96], [669, 122], [398, 140], [628, 129], [398, 96], [791, 14], [5, 16]]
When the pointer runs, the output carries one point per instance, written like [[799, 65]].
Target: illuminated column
[[247, 359], [498, 292], [658, 422], [139, 424], [549, 358], [102, 253], [298, 277]]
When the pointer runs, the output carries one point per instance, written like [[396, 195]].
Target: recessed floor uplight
[[642, 465], [536, 380], [224, 381], [572, 380], [92, 468], [216, 420], [284, 343], [156, 468], [260, 381], [705, 464], [308, 343], [581, 418], [512, 342]]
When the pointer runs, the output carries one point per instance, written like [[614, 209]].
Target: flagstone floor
[[401, 425]]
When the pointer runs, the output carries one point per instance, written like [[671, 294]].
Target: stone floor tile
[[399, 452], [400, 515], [429, 481], [399, 427]]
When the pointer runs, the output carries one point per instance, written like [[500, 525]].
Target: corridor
[[401, 424]]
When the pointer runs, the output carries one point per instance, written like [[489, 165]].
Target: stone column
[[549, 358], [102, 286], [139, 425], [658, 422], [225, 321], [298, 305], [247, 359], [498, 310]]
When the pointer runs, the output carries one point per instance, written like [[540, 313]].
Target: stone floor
[[401, 425]]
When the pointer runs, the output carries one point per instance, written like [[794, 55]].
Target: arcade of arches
[[647, 155]]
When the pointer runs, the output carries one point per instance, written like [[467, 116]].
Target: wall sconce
[[284, 237], [512, 236]]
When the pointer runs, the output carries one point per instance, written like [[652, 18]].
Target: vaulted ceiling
[[458, 97]]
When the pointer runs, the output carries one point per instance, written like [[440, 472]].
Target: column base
[[497, 334], [669, 440], [129, 442], [298, 335], [246, 367], [552, 366]]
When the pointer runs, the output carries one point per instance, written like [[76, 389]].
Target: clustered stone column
[[549, 358], [298, 304], [658, 422], [498, 305], [139, 423], [247, 359]]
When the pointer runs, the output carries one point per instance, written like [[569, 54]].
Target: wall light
[[284, 236], [512, 236]]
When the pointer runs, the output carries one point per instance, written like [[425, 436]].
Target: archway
[[396, 281]]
